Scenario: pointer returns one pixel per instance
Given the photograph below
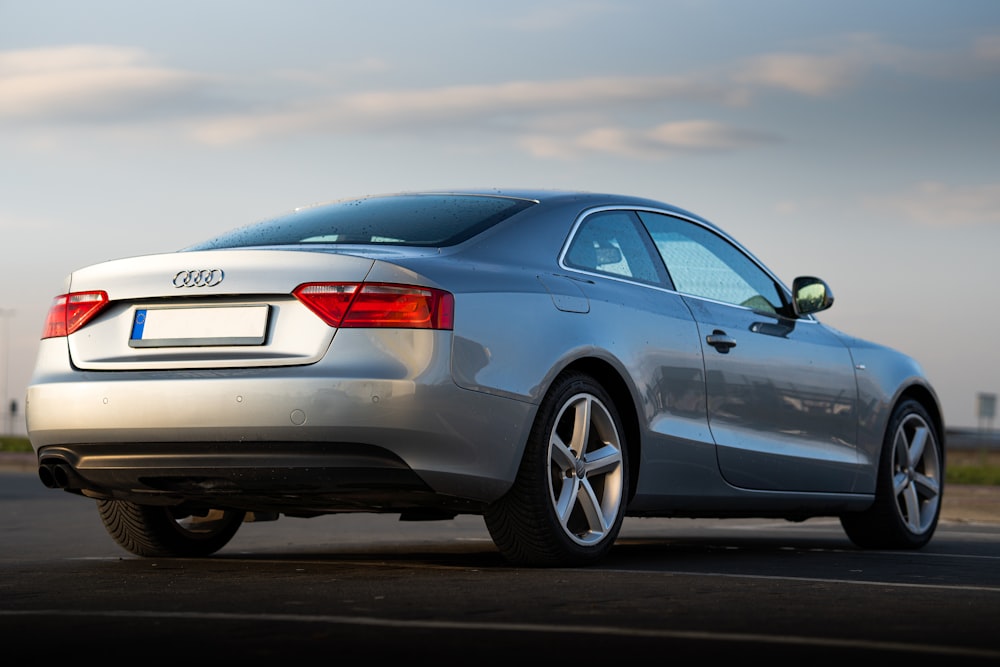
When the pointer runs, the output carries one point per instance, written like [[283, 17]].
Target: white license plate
[[189, 327]]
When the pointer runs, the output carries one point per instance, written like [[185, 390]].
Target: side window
[[611, 242], [702, 263]]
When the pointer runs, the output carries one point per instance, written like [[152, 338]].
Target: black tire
[[154, 531], [910, 485], [568, 501]]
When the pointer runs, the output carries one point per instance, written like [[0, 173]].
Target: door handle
[[720, 341]]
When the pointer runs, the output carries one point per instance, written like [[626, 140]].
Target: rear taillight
[[378, 305], [71, 311]]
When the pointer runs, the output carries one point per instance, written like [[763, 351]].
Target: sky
[[856, 140]]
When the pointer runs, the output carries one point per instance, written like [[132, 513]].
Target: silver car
[[551, 361]]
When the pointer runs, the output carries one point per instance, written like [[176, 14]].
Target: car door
[[649, 330], [781, 391]]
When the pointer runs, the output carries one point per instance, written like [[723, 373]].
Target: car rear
[[303, 380]]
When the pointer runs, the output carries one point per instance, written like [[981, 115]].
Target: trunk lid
[[207, 309]]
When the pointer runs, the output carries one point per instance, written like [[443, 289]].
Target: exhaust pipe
[[47, 473], [59, 476]]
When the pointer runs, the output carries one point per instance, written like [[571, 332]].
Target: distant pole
[[5, 315]]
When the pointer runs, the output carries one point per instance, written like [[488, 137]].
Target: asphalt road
[[367, 587]]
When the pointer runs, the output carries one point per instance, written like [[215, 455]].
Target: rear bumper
[[255, 439], [291, 478]]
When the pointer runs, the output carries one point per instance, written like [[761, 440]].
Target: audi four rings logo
[[198, 278]]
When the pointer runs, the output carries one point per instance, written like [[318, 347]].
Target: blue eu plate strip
[[140, 320]]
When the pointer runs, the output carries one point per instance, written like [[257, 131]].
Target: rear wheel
[[155, 531], [568, 501], [909, 488]]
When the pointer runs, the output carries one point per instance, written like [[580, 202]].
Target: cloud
[[609, 114], [86, 82], [92, 82], [848, 61], [800, 73], [518, 105], [446, 106], [664, 140], [835, 65], [937, 204]]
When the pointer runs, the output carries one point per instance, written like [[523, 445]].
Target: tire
[[154, 531], [567, 502], [909, 487]]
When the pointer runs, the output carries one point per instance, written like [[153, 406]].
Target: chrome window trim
[[687, 218]]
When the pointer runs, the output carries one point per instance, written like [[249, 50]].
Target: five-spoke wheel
[[568, 502], [909, 488]]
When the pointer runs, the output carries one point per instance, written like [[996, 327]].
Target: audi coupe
[[552, 361]]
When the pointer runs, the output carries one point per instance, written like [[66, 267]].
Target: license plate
[[191, 327]]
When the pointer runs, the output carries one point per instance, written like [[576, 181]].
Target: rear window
[[432, 220]]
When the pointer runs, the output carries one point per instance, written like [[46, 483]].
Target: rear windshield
[[433, 220]]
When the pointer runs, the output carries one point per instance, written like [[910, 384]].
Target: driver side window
[[702, 263]]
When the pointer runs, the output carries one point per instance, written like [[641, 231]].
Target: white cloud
[[63, 58], [705, 135], [684, 137], [847, 60], [448, 105], [939, 204], [800, 73], [846, 63], [45, 87], [95, 82], [852, 59]]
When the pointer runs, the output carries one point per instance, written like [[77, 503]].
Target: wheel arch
[[908, 480], [929, 401], [612, 380]]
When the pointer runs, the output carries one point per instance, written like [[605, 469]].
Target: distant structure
[[12, 419], [7, 422], [986, 410]]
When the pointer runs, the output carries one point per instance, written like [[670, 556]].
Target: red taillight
[[71, 311], [378, 305]]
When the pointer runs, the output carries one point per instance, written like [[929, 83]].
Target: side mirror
[[810, 295]]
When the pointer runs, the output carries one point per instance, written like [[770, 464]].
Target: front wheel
[[909, 487], [154, 531], [568, 501]]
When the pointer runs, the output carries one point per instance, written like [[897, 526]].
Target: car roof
[[314, 223], [585, 198]]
